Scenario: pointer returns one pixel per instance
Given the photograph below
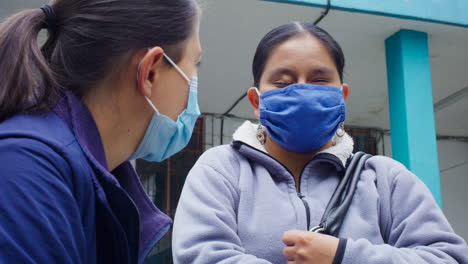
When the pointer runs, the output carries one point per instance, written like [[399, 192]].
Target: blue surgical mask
[[302, 118], [164, 137]]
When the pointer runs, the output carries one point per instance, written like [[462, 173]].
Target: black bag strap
[[341, 199]]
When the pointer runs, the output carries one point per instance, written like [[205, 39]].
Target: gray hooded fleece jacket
[[238, 201]]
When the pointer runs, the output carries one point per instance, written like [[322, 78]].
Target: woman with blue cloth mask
[[254, 201], [112, 82]]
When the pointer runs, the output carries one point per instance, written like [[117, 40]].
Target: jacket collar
[[245, 141], [78, 118]]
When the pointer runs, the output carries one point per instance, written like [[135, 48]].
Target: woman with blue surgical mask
[[115, 80], [262, 198], [164, 137]]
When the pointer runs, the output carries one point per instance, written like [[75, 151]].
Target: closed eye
[[281, 84], [320, 81]]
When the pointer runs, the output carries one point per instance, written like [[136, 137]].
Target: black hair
[[281, 34], [88, 38]]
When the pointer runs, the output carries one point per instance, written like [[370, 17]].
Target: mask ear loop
[[177, 67], [152, 105], [258, 92]]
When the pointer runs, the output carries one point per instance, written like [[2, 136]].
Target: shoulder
[[221, 163], [47, 127], [386, 167], [31, 158], [222, 158], [395, 174], [47, 130], [37, 142], [32, 167]]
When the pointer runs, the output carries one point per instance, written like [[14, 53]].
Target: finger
[[290, 237], [289, 253]]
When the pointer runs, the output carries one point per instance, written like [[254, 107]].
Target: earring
[[261, 134], [341, 131]]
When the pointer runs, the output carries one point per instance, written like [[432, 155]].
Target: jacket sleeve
[[205, 225], [39, 218], [419, 232]]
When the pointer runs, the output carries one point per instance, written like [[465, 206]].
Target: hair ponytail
[[86, 40], [23, 67]]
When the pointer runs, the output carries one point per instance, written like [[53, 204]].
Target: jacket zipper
[[307, 208], [306, 205], [304, 201]]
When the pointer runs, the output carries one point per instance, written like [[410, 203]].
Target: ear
[[147, 70], [254, 100], [345, 91]]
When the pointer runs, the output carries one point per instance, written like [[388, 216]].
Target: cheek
[[178, 94], [335, 84], [265, 85], [170, 95], [336, 81], [193, 72]]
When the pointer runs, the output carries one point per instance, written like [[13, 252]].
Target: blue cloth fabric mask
[[164, 137], [302, 118]]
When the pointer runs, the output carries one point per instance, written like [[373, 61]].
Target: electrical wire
[[227, 114], [212, 131], [234, 105], [324, 13], [455, 166], [221, 131]]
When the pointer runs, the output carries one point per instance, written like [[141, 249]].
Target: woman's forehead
[[301, 53]]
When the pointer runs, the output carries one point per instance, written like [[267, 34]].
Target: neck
[[120, 128], [295, 162]]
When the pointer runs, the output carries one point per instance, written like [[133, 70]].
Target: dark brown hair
[[281, 34], [88, 39]]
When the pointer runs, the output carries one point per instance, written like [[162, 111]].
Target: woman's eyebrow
[[320, 71], [282, 71]]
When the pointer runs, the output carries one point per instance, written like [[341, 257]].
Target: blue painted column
[[412, 123]]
